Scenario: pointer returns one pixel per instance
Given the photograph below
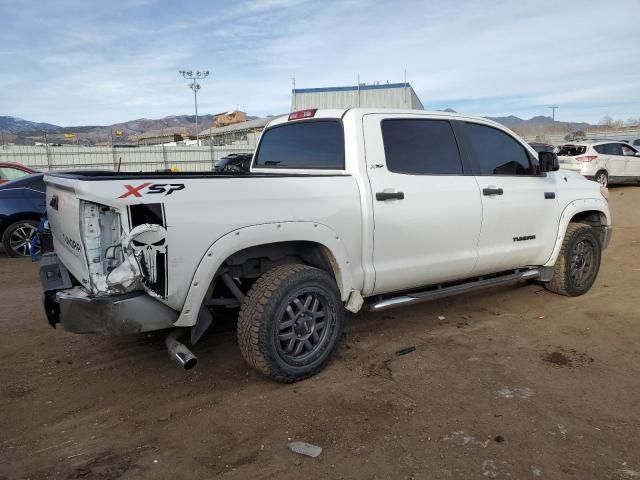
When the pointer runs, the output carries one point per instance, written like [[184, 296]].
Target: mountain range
[[20, 131]]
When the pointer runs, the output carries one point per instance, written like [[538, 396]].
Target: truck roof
[[341, 112]]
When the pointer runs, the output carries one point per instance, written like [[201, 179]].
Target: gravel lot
[[512, 383]]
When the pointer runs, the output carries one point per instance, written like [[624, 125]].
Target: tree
[[606, 121]]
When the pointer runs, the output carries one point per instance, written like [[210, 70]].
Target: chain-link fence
[[186, 158]]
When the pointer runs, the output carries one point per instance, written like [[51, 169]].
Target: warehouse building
[[242, 134], [390, 95]]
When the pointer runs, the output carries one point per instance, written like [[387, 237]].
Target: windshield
[[571, 150]]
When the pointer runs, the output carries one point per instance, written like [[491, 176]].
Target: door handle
[[54, 202], [492, 191], [382, 196]]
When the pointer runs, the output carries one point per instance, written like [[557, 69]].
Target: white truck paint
[[107, 229]]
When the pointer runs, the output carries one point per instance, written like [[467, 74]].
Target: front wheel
[[290, 322], [578, 263]]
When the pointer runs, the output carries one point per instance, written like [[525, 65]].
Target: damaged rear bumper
[[79, 311]]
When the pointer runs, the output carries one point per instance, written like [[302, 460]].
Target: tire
[[602, 178], [578, 263], [16, 237], [291, 322]]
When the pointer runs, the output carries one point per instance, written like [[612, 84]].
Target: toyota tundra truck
[[341, 210]]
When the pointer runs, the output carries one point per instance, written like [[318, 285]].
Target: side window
[[496, 152], [9, 173], [421, 147], [615, 149], [601, 149], [627, 150]]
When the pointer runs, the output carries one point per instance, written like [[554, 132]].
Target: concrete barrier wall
[[187, 158]]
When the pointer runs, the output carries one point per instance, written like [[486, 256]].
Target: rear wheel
[[602, 178], [290, 322], [18, 236], [578, 263]]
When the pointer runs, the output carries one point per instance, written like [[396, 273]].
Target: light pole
[[195, 86]]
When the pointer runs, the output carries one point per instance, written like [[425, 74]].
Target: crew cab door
[[426, 211], [519, 205]]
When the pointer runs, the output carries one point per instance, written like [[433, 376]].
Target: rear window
[[315, 144], [571, 150]]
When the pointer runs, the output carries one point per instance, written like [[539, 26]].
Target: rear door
[[427, 212], [519, 205]]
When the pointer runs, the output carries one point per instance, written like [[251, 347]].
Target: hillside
[[24, 132], [17, 130]]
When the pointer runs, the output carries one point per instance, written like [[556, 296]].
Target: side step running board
[[441, 292]]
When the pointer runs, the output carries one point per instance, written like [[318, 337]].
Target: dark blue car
[[22, 203]]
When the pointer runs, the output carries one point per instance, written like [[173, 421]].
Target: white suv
[[604, 161]]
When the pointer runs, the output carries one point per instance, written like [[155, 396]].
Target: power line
[[195, 86], [553, 110]]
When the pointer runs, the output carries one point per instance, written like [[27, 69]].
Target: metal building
[[242, 134], [390, 95]]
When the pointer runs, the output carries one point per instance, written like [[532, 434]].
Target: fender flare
[[573, 208], [256, 235]]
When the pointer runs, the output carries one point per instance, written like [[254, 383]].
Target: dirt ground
[[512, 383]]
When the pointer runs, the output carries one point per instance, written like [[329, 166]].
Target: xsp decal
[[524, 239], [156, 188], [150, 247]]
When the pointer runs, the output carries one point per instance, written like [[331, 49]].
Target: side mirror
[[637, 154], [548, 162]]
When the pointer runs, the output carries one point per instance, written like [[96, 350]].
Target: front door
[[632, 168], [520, 208], [426, 212]]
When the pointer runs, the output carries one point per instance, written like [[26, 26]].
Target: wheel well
[[254, 261], [594, 218], [17, 217], [249, 264]]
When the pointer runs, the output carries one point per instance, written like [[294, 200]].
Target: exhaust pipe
[[179, 352]]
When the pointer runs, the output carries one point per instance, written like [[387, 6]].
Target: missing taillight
[[308, 113]]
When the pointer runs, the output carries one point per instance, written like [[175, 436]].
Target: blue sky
[[73, 62]]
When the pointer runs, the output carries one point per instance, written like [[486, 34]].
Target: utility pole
[[195, 86], [553, 112]]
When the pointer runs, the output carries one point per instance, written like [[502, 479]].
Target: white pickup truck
[[342, 209]]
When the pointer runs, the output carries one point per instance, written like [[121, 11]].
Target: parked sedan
[[12, 171], [604, 161], [234, 163], [22, 203]]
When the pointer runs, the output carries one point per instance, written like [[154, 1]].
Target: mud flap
[[205, 319]]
